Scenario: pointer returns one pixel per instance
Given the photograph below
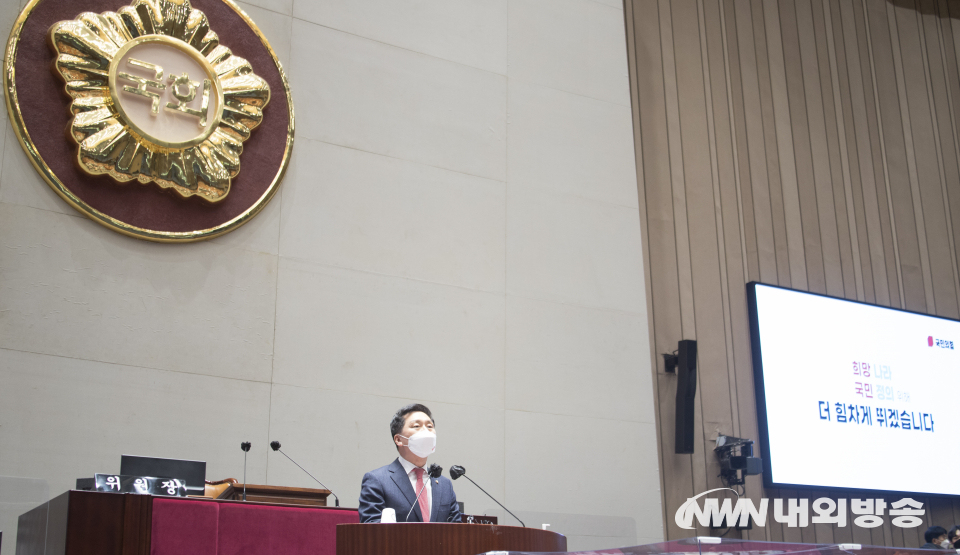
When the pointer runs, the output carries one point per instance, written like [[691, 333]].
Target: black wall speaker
[[686, 391]]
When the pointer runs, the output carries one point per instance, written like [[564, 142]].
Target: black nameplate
[[147, 485]]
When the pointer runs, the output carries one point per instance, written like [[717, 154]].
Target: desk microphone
[[457, 471], [433, 471], [275, 445], [246, 447]]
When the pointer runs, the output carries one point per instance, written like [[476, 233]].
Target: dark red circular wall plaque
[[166, 120]]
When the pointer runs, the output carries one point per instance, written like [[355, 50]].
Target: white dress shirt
[[428, 491]]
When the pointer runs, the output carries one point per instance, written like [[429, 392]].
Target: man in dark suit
[[396, 485], [936, 536]]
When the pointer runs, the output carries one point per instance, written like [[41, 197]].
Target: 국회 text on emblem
[[157, 98]]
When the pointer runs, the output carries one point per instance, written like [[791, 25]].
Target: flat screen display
[[853, 395]]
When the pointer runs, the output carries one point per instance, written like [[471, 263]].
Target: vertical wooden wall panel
[[950, 82], [715, 169], [897, 536], [753, 31], [802, 155], [799, 190], [665, 284], [722, 87], [806, 143], [944, 264], [843, 534], [863, 536], [790, 534], [678, 171], [773, 135], [815, 68], [894, 148], [808, 533], [711, 343], [721, 158], [938, 269], [725, 190], [824, 531], [950, 17], [951, 36], [785, 148], [881, 181], [913, 537], [677, 181], [882, 534], [770, 230], [798, 150], [850, 136], [861, 130], [742, 163], [916, 277], [836, 132]]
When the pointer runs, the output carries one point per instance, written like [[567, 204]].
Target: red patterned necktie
[[424, 508]]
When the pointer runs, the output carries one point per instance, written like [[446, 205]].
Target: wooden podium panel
[[87, 523], [99, 523], [435, 538]]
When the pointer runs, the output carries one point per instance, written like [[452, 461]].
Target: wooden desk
[[277, 494], [97, 523]]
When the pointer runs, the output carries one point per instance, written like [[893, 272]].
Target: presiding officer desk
[[98, 523]]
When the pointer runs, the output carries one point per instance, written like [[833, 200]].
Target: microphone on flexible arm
[[433, 471], [275, 445], [245, 446], [457, 471]]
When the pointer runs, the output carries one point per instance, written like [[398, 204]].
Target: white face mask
[[945, 544], [422, 444]]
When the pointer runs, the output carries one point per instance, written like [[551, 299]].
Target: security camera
[[736, 459]]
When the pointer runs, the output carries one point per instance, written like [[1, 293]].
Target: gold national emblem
[[157, 98]]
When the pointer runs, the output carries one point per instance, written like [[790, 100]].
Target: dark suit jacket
[[389, 486]]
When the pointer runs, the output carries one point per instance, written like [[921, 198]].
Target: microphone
[[433, 471], [457, 471], [245, 446], [275, 445]]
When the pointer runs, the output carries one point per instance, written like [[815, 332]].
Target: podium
[[96, 523], [435, 538]]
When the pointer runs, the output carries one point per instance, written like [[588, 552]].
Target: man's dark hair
[[399, 419], [954, 534], [934, 532]]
